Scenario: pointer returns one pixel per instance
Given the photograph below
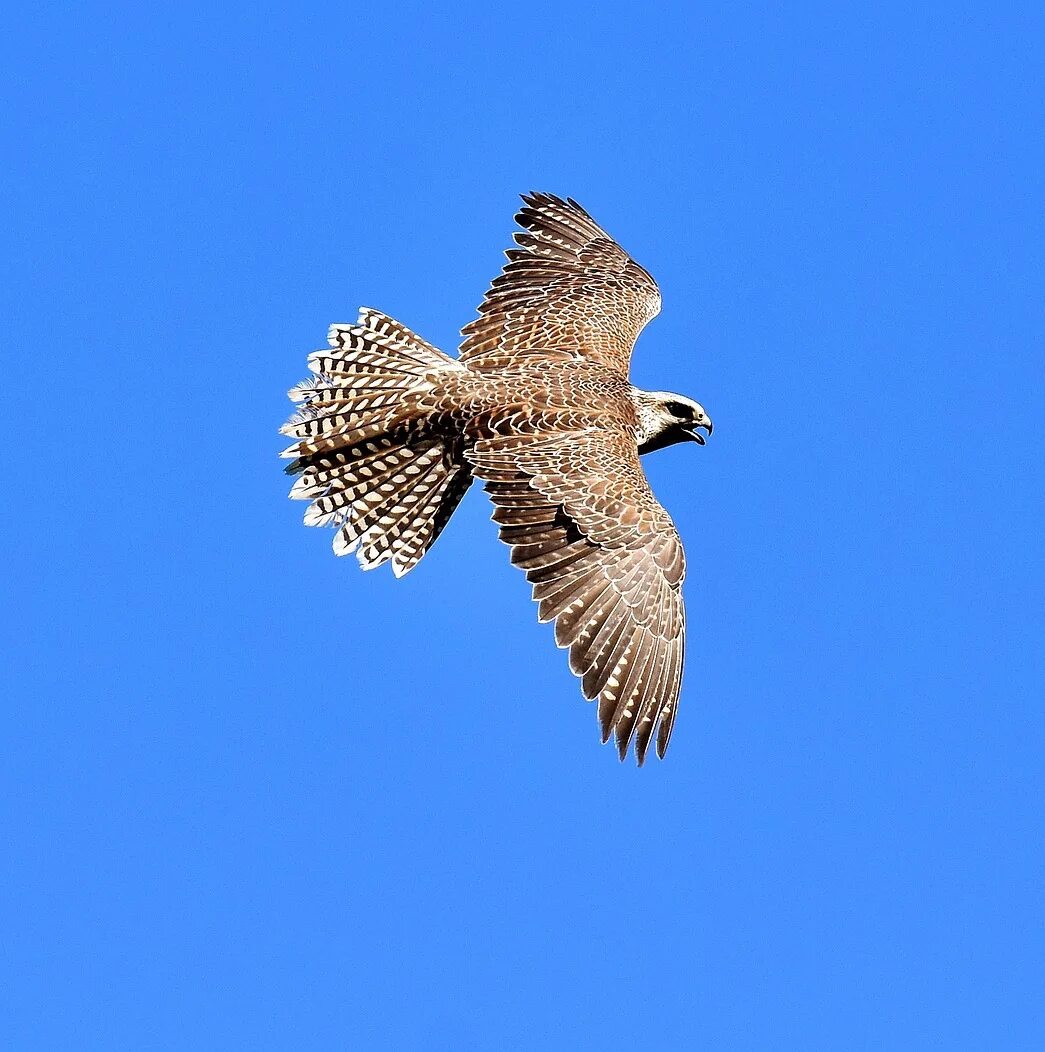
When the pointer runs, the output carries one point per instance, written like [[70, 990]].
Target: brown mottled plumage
[[391, 432]]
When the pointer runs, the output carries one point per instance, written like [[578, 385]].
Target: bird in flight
[[390, 432]]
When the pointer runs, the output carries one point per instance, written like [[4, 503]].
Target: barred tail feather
[[365, 460]]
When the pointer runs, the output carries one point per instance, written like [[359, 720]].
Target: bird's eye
[[680, 410]]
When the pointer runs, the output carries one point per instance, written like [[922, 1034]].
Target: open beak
[[694, 432]]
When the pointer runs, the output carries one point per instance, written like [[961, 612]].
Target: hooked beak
[[694, 432]]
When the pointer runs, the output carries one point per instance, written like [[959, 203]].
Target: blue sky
[[253, 798]]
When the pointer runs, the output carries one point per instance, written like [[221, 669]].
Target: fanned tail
[[365, 458]]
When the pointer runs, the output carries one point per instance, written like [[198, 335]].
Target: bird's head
[[666, 418]]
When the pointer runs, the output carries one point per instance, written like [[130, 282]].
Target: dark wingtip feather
[[663, 737], [622, 749], [640, 750]]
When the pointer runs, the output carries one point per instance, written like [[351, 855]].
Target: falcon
[[390, 432]]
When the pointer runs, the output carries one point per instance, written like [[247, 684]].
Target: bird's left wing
[[567, 287], [606, 563]]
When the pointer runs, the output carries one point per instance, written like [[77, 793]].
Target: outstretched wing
[[568, 287], [606, 563]]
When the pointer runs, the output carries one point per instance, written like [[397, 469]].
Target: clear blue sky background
[[253, 798]]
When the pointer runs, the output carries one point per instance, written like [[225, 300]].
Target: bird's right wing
[[606, 563], [567, 287]]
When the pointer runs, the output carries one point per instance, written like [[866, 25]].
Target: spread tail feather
[[365, 460]]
